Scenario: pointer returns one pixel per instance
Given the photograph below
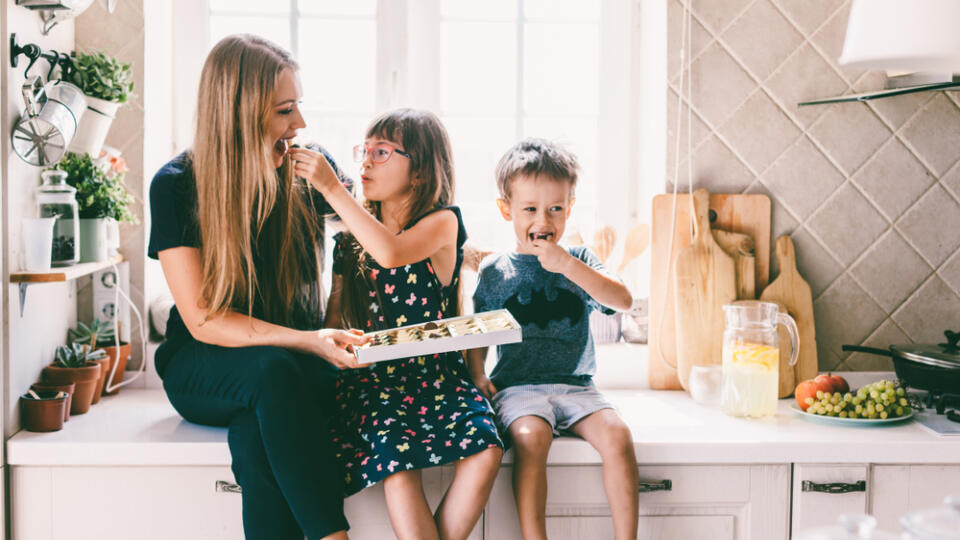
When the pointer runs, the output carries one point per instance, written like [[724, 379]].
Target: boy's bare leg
[[607, 432], [408, 509], [463, 503], [532, 437]]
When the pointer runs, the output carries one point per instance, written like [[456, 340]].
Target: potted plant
[[67, 388], [100, 335], [107, 83], [42, 410], [76, 364], [101, 196]]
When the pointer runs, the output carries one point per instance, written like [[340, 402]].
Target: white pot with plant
[[107, 83], [101, 197]]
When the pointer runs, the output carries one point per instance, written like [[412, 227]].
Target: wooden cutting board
[[705, 281], [793, 293], [740, 248], [742, 213]]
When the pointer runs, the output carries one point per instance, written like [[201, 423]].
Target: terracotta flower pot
[[50, 387], [121, 366], [85, 378], [44, 414], [105, 364]]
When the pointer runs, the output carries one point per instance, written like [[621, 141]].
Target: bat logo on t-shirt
[[541, 311]]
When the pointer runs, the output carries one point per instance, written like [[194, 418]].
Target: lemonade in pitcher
[[751, 358]]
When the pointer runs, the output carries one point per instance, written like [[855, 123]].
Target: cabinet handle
[[838, 487], [227, 487], [664, 485]]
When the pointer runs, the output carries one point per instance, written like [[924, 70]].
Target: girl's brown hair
[[261, 239], [422, 135]]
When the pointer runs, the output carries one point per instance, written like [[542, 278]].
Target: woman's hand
[[313, 167], [336, 346]]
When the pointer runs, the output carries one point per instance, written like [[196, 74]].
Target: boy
[[542, 386]]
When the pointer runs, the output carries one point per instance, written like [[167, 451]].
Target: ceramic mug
[[37, 236]]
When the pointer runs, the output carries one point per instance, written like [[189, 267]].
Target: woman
[[239, 239]]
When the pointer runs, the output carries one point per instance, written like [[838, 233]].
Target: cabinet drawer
[[822, 492], [660, 484]]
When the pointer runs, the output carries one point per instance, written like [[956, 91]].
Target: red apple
[[839, 384], [804, 390], [823, 383]]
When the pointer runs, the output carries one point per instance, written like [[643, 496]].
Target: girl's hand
[[484, 385], [336, 346], [313, 167], [552, 257]]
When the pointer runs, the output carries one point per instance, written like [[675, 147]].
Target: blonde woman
[[239, 239]]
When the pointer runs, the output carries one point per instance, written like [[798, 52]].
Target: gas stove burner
[[952, 414], [941, 401]]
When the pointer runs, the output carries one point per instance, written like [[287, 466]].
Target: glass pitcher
[[751, 357], [57, 199]]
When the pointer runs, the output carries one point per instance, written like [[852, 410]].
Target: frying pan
[[934, 368]]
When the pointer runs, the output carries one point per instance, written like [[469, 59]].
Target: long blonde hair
[[423, 136], [260, 237]]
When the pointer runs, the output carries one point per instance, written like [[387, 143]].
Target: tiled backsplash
[[869, 192]]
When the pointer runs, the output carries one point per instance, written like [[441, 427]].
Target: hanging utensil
[[49, 121]]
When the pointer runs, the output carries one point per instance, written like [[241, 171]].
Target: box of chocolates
[[453, 334]]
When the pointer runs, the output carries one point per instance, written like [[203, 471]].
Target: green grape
[[827, 395], [827, 407], [900, 391], [842, 414], [880, 407], [835, 398], [871, 410], [889, 385], [820, 394], [883, 415], [874, 394], [903, 402], [858, 408], [808, 401], [854, 414], [899, 411]]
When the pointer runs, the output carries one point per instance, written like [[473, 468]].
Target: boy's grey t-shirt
[[553, 313]]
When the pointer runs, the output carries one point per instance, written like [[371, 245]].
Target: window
[[494, 71]]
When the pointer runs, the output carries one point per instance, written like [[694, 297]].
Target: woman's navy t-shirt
[[174, 223]]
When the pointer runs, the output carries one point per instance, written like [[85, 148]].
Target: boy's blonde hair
[[536, 157]]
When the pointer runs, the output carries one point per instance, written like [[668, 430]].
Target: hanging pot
[[934, 368], [49, 121], [94, 126]]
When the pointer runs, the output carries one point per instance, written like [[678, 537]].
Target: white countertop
[[140, 427]]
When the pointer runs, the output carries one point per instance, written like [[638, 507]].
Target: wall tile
[[760, 131], [700, 130], [932, 225], [849, 133], [828, 39], [719, 85], [888, 334], [951, 181], [717, 14], [815, 263], [893, 179], [804, 76], [699, 39], [716, 167], [897, 110], [847, 224], [761, 23], [891, 270], [950, 271], [933, 309], [808, 15], [933, 134], [802, 178], [843, 314]]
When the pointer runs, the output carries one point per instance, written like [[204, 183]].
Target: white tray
[[454, 334]]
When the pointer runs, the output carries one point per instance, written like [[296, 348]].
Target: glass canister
[[751, 357], [56, 198]]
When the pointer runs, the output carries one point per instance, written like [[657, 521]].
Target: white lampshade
[[904, 35]]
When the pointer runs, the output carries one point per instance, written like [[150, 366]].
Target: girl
[[239, 241], [400, 265]]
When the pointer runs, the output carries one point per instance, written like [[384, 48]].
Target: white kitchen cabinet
[[735, 502], [899, 489], [159, 503], [822, 492]]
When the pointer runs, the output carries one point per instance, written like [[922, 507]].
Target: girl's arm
[[182, 270], [428, 236]]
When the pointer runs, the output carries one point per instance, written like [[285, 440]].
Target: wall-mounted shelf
[[883, 93], [66, 273]]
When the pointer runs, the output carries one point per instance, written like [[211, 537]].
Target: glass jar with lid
[[57, 199]]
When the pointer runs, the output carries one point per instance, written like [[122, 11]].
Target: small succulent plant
[[96, 334], [76, 355]]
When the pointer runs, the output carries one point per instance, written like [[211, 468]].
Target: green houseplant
[[101, 195], [77, 364], [100, 335], [107, 83]]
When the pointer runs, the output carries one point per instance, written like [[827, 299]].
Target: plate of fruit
[[828, 399]]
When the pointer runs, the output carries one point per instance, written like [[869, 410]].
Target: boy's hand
[[552, 257], [313, 167], [485, 385]]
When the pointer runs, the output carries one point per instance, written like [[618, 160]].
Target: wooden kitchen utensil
[[705, 281], [793, 293], [740, 247], [741, 213], [603, 242], [636, 242]]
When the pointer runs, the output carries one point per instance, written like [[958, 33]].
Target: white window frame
[[632, 146]]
